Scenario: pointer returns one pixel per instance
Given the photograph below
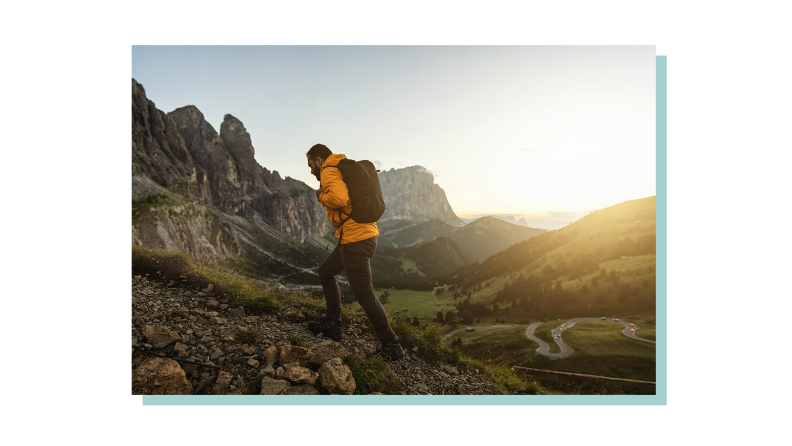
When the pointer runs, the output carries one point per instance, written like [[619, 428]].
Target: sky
[[530, 131]]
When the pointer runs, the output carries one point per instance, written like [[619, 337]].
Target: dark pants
[[354, 259]]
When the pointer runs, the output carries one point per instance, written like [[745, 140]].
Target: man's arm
[[333, 191]]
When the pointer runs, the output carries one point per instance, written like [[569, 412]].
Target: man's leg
[[357, 256], [331, 267]]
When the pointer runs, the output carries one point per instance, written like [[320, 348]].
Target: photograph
[[370, 224]]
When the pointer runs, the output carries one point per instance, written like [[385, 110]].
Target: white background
[[66, 219]]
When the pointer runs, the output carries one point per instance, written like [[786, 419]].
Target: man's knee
[[325, 273]]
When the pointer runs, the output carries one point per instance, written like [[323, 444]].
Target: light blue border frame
[[503, 400]]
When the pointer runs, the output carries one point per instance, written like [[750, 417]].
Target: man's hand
[[319, 191]]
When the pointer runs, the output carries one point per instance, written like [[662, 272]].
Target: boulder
[[238, 312], [336, 377], [271, 386], [159, 376], [326, 353], [293, 353], [223, 383], [159, 336], [300, 390], [271, 356], [300, 375]]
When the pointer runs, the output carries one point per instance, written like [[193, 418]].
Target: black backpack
[[365, 194]]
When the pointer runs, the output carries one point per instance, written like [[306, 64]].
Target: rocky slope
[[410, 194], [178, 321]]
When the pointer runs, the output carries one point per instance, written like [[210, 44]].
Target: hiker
[[357, 243]]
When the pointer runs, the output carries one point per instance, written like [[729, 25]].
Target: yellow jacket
[[335, 197]]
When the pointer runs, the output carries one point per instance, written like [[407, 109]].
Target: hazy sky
[[509, 130]]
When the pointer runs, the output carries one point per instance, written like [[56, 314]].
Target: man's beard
[[318, 176]]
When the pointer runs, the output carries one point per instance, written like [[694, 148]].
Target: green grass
[[605, 338], [372, 375], [299, 342], [409, 263], [188, 272], [246, 337], [506, 345]]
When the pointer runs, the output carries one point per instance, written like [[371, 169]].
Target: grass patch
[[503, 345], [299, 342], [429, 342], [240, 291], [246, 337], [372, 375], [605, 338]]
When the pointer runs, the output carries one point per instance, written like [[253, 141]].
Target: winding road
[[544, 347], [483, 326]]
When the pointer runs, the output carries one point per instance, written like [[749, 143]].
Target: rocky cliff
[[203, 193], [410, 194]]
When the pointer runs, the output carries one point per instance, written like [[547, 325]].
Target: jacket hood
[[333, 159]]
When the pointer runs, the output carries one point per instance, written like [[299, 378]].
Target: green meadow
[[507, 346]]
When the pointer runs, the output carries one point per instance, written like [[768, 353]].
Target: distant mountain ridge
[[481, 238]]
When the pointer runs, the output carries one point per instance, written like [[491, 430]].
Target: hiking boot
[[328, 328], [390, 351]]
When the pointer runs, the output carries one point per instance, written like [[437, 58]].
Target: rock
[[422, 389], [216, 354], [300, 390], [336, 377], [181, 314], [449, 369], [248, 350], [218, 320], [223, 383], [280, 372], [376, 393], [159, 336], [300, 375], [326, 353], [411, 193], [271, 356], [252, 319], [223, 306], [213, 304], [269, 371], [253, 363], [180, 349], [293, 353], [159, 376], [241, 387], [415, 349], [237, 312], [271, 386], [300, 316], [171, 283]]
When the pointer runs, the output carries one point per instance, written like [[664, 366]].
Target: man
[[358, 243]]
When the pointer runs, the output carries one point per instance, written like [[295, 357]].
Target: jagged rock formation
[[203, 193], [180, 321], [410, 194]]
